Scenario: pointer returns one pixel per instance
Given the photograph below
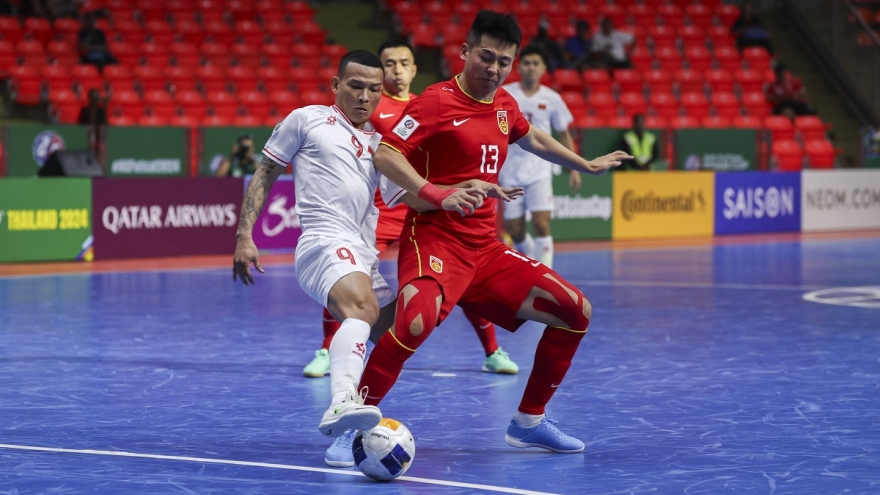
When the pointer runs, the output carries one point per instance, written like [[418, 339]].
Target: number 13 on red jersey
[[490, 159]]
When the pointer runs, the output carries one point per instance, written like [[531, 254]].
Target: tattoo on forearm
[[255, 197]]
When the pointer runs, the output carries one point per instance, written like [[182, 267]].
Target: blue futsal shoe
[[544, 435], [339, 454]]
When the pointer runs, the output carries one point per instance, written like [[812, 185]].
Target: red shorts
[[491, 282]]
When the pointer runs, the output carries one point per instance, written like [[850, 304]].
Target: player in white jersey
[[546, 110], [330, 149]]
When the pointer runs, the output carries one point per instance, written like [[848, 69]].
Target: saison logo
[[632, 203]]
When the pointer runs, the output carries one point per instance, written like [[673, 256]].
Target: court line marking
[[695, 285], [289, 467]]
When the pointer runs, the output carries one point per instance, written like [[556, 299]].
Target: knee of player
[[586, 308], [540, 229], [367, 309]]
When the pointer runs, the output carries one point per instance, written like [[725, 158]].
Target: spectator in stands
[[62, 8], [611, 47], [93, 47], [241, 161], [579, 47], [749, 31], [641, 144], [555, 57], [95, 113], [787, 95], [7, 9]]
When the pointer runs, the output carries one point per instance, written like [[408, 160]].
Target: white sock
[[528, 420], [527, 246], [544, 250], [347, 352]]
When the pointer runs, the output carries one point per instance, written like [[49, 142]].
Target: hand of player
[[574, 181], [464, 201], [495, 191], [610, 160], [245, 253]]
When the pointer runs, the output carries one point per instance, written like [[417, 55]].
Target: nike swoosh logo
[[554, 385], [385, 115], [536, 263], [457, 123], [336, 411]]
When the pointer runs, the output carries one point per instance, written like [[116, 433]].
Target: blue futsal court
[[748, 366]]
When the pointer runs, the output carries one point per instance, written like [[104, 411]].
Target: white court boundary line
[[289, 467]]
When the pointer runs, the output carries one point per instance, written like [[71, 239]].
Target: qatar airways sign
[[278, 227], [135, 218]]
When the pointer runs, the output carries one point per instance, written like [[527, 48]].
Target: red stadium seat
[[728, 58], [720, 37], [575, 102], [658, 80], [242, 78], [641, 58], [185, 55], [588, 122], [127, 30], [283, 102], [255, 104], [192, 103], [716, 122], [31, 52], [56, 78], [747, 122], [215, 54], [568, 80], [820, 152], [25, 84], [780, 127], [726, 104], [223, 104], [279, 31], [159, 31], [304, 79], [38, 28], [86, 77], [315, 98], [217, 121], [425, 36], [656, 122], [11, 29], [699, 14], [219, 32], [642, 14], [698, 58], [63, 53], [151, 10], [149, 78], [160, 104], [692, 36], [180, 78], [616, 12], [633, 103], [306, 56], [246, 56], [332, 53], [755, 102], [671, 15], [597, 80], [684, 122], [719, 80], [749, 80], [810, 127], [66, 106], [272, 79], [211, 78], [602, 104], [121, 120], [788, 154], [757, 58], [152, 121], [126, 103], [695, 104], [662, 36], [128, 54], [8, 57], [248, 32], [155, 54], [620, 122], [190, 32], [269, 9], [275, 55], [184, 121], [629, 80], [689, 80], [664, 104], [66, 29], [727, 14]]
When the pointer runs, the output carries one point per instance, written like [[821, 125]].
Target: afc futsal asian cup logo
[[46, 143], [502, 121]]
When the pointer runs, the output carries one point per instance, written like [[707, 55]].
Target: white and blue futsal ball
[[385, 452]]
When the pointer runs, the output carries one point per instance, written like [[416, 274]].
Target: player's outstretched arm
[[542, 144], [398, 170], [574, 177], [254, 199]]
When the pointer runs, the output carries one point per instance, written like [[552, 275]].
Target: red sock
[[330, 328], [485, 331], [552, 360], [383, 368]]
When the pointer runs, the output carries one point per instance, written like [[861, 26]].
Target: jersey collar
[[368, 127], [408, 96], [457, 83]]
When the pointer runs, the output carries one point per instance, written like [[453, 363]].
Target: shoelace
[[346, 439]]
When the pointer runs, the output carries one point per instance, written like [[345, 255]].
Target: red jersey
[[464, 138], [390, 219]]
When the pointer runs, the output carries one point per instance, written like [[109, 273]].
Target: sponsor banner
[[757, 202], [840, 199], [721, 150], [217, 144], [27, 146], [45, 219], [146, 151], [277, 227], [136, 218], [584, 215], [663, 204]]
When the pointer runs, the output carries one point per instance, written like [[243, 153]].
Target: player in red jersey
[[465, 126], [400, 69]]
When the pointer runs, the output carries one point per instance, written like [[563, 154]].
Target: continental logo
[[633, 204], [45, 219]]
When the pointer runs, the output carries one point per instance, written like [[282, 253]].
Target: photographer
[[241, 161]]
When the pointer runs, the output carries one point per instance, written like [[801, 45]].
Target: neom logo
[[632, 203]]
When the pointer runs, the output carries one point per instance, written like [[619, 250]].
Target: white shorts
[[321, 261], [537, 196]]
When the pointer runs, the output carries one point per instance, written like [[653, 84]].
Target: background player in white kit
[[546, 110], [331, 148]]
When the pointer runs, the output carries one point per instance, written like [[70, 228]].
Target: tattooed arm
[[254, 199]]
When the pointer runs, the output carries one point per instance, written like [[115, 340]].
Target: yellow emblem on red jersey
[[436, 264], [502, 121]]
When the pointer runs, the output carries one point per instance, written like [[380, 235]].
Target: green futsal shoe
[[319, 366], [500, 362]]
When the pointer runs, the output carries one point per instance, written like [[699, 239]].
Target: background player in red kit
[[465, 126], [400, 69]]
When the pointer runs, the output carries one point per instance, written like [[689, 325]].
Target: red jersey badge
[[502, 121]]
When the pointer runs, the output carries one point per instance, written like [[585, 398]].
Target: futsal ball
[[385, 452]]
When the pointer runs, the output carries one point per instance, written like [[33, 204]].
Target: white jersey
[[545, 110], [333, 172]]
